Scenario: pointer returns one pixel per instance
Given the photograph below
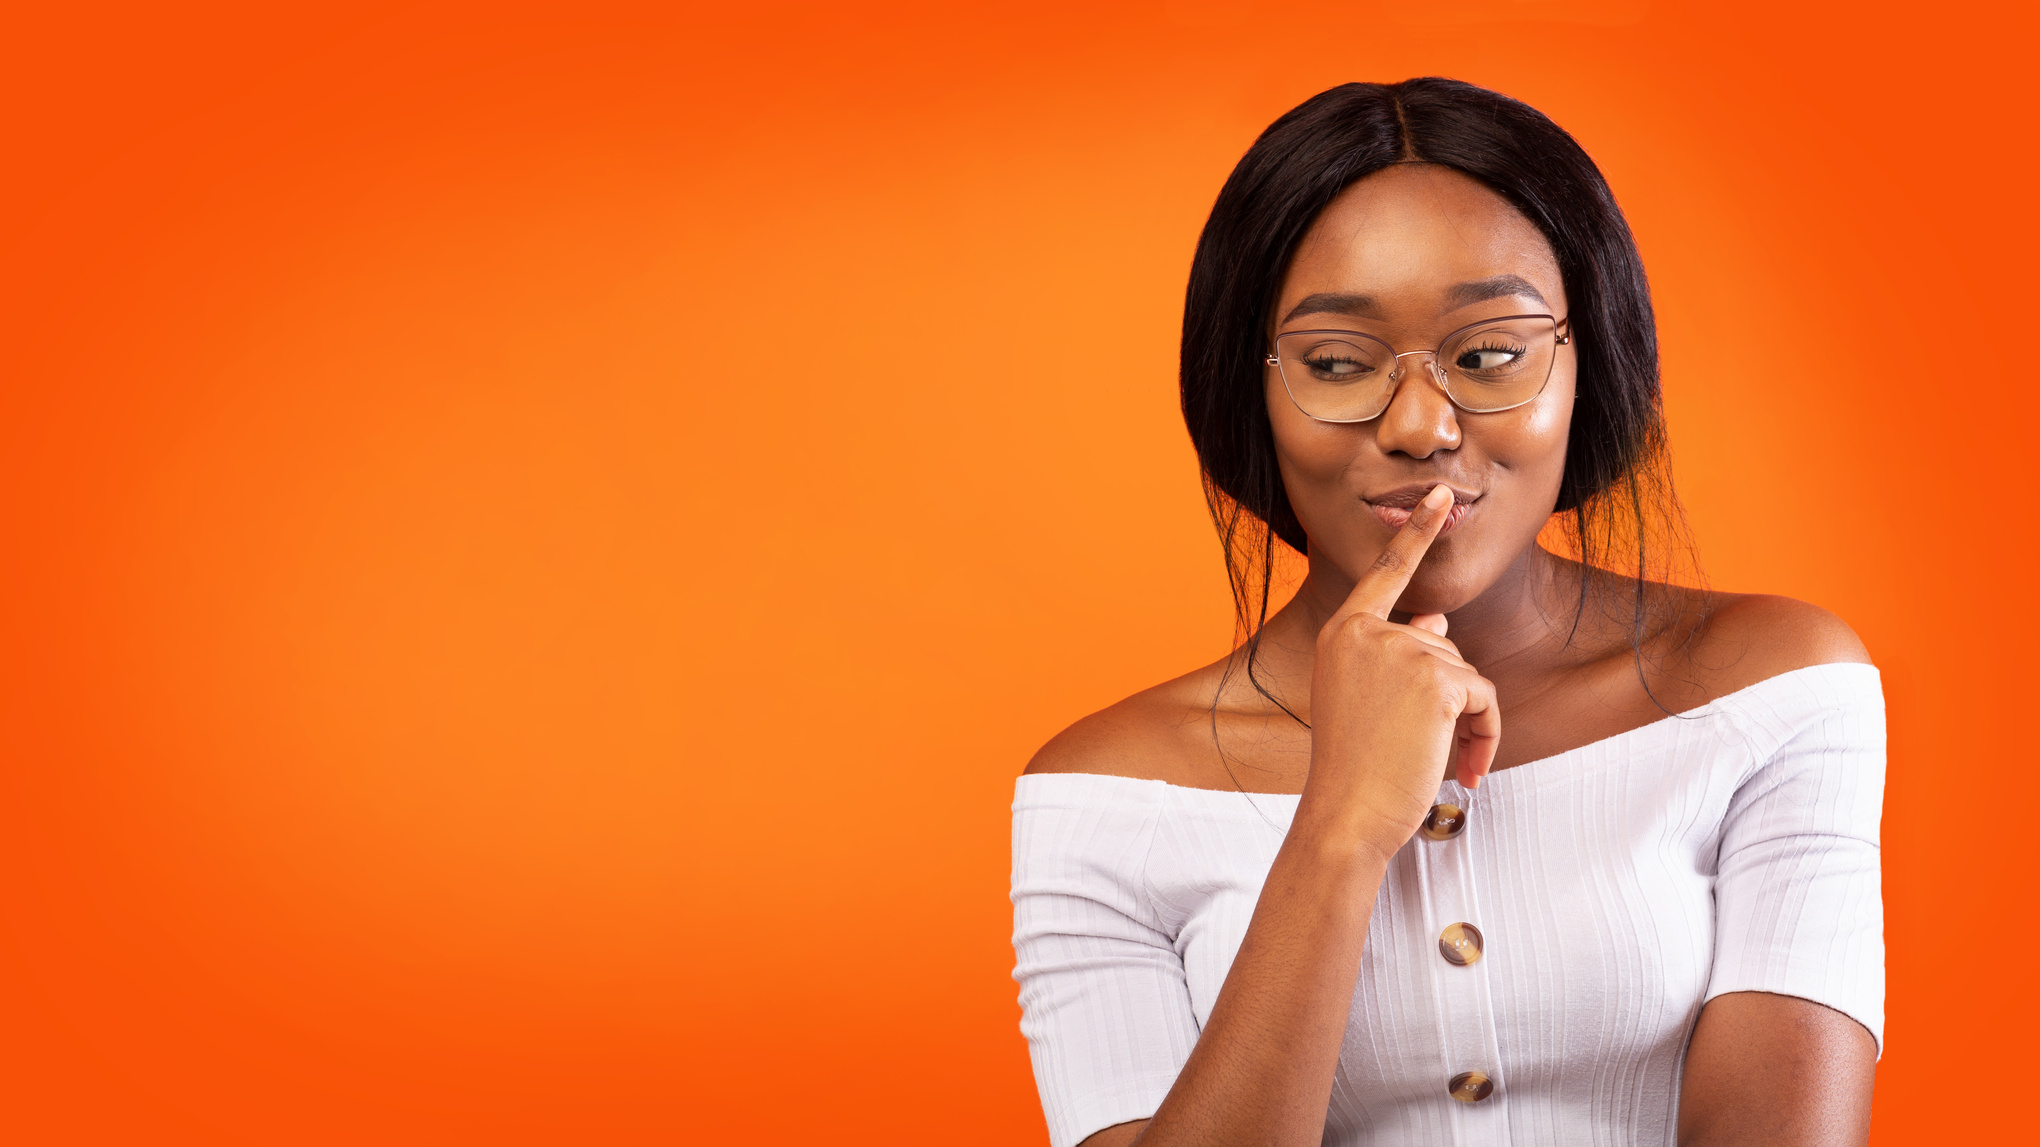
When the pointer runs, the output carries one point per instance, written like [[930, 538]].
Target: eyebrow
[[1497, 287], [1460, 295], [1333, 303]]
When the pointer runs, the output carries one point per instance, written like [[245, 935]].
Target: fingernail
[[1439, 497]]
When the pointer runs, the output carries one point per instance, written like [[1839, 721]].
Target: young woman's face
[[1410, 255]]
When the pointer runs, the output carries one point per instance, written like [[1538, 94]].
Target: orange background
[[454, 696]]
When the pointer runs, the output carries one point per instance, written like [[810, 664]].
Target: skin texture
[[1432, 651]]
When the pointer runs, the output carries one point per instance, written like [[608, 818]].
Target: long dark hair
[[1618, 511]]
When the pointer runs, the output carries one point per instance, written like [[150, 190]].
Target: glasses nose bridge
[[1437, 371]]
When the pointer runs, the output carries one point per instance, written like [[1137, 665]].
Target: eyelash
[[1509, 349], [1327, 362]]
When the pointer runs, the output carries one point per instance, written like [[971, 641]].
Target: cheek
[[1312, 454], [1540, 441], [1528, 464]]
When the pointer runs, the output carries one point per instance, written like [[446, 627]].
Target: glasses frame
[[1561, 329]]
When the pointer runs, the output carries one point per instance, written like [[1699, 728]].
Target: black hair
[[1615, 496]]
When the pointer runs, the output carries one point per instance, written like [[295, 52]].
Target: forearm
[[1262, 1068], [1387, 701]]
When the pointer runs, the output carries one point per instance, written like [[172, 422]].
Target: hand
[[1392, 704]]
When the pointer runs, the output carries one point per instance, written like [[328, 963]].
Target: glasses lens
[[1498, 365], [1338, 376]]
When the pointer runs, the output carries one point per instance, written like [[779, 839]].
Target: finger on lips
[[1378, 591]]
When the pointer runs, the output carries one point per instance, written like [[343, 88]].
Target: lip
[[1393, 507]]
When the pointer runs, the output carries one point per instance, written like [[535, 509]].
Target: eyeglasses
[[1484, 367]]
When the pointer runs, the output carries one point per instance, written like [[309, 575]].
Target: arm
[[1775, 1070], [1785, 1051], [1121, 1136], [1389, 704]]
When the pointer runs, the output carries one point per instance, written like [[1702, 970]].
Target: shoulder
[[1738, 640], [1156, 734]]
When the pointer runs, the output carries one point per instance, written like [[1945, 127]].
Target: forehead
[[1408, 234]]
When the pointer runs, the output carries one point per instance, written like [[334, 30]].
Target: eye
[[1332, 358], [1489, 358], [1330, 367]]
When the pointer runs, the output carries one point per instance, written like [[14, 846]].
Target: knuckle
[[1390, 561], [1341, 629], [1393, 643], [1448, 690], [1417, 641], [1346, 635]]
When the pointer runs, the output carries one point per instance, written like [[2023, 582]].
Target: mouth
[[1393, 507]]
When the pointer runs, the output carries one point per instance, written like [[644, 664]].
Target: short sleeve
[[1798, 904], [1104, 1004]]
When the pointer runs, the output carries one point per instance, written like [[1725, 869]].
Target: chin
[[1451, 575]]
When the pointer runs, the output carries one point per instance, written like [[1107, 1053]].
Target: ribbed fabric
[[1618, 886]]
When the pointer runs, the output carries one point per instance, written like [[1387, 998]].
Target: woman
[[1470, 842]]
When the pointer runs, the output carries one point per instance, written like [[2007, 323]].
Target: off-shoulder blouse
[[1611, 892]]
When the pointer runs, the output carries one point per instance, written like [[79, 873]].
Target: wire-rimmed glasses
[[1484, 367]]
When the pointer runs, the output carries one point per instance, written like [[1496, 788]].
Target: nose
[[1420, 419]]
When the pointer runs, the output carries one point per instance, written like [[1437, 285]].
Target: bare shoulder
[[1158, 734], [1742, 639]]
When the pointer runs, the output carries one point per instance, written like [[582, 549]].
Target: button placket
[[1453, 950]]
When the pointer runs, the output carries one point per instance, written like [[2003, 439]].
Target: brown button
[[1460, 944], [1445, 822], [1470, 1087]]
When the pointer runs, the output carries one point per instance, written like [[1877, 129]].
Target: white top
[[1618, 887]]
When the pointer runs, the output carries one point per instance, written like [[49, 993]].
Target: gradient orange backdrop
[[453, 696]]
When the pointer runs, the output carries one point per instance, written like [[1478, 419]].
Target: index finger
[[1382, 585]]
